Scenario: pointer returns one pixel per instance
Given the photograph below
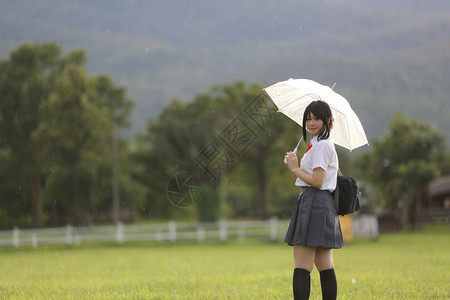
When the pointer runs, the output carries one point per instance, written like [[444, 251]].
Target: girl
[[314, 229]]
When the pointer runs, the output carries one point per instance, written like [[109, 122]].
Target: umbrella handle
[[295, 150]]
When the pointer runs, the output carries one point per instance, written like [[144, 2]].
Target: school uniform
[[314, 221]]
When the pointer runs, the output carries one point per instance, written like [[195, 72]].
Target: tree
[[119, 109], [23, 87], [402, 163], [170, 147], [207, 137], [73, 132], [57, 125]]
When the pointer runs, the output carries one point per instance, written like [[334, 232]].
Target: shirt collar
[[314, 140]]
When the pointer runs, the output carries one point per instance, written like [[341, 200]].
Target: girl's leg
[[303, 265], [324, 259], [325, 265]]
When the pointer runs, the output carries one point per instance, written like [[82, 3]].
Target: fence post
[[69, 239], [34, 240], [16, 238], [77, 238], [223, 230], [159, 235], [200, 233], [119, 233], [172, 231], [273, 228], [241, 232]]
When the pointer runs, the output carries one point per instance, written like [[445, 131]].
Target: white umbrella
[[293, 96]]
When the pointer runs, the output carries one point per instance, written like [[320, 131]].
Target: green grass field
[[407, 265]]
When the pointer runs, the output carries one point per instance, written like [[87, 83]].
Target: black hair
[[321, 110]]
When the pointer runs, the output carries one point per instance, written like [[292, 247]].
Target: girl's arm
[[315, 179]]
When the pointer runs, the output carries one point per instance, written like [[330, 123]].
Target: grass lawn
[[407, 265]]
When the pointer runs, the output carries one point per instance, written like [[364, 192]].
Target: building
[[436, 207]]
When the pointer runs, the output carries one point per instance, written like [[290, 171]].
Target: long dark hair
[[321, 110]]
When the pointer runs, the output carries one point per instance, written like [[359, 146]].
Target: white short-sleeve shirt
[[321, 155]]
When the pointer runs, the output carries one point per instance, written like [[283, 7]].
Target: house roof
[[440, 186]]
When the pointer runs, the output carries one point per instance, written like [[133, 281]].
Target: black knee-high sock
[[301, 284], [329, 284]]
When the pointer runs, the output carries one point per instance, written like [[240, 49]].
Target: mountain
[[385, 56]]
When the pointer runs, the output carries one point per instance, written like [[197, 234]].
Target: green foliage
[[209, 207], [402, 163], [56, 125], [24, 83]]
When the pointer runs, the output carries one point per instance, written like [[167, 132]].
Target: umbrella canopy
[[293, 96]]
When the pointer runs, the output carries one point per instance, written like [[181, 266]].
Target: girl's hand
[[291, 160]]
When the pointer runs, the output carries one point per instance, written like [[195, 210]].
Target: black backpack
[[346, 195]]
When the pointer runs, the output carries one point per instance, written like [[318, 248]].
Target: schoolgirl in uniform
[[314, 229]]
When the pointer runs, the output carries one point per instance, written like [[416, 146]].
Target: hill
[[385, 57]]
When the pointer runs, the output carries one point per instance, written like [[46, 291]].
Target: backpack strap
[[336, 191], [336, 196]]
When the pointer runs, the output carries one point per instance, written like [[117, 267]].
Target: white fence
[[272, 229], [172, 231]]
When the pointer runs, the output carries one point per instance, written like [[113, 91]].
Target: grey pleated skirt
[[314, 221]]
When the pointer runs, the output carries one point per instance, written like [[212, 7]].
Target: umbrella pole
[[301, 139]]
